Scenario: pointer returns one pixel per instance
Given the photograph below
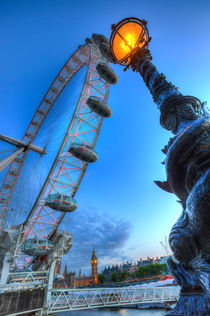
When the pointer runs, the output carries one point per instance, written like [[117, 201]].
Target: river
[[116, 312]]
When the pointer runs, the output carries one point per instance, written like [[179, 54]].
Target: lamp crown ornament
[[187, 166]]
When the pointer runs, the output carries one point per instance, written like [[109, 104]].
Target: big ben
[[94, 268]]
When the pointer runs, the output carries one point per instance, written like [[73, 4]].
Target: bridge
[[63, 300]]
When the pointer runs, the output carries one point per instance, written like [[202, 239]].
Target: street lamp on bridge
[[187, 166]]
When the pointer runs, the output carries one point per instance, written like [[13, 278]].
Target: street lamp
[[187, 166], [127, 37]]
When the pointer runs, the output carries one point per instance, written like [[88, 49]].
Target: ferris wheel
[[50, 161]]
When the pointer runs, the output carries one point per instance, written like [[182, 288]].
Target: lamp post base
[[192, 304], [195, 287]]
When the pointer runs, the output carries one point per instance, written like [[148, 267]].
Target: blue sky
[[121, 211]]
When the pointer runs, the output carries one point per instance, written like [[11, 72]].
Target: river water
[[116, 312]]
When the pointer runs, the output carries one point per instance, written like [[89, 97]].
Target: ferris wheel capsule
[[83, 152], [98, 106], [107, 73], [37, 247], [61, 202]]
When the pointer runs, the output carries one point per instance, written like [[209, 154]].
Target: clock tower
[[94, 268]]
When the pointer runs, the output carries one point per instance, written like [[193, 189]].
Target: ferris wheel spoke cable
[[49, 125], [36, 174]]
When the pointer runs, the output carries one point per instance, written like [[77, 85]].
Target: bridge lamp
[[128, 36]]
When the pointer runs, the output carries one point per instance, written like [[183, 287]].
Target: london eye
[[41, 182]]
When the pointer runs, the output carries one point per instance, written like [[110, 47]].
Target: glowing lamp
[[126, 37]]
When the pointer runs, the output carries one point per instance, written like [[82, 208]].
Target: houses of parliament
[[68, 279]]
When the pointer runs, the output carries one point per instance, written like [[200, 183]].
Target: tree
[[123, 275], [114, 276], [140, 272], [165, 268], [101, 278], [151, 270]]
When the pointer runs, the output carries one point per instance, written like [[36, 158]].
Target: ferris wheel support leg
[[49, 284], [5, 269], [6, 161]]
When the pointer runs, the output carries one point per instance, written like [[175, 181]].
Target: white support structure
[[21, 147], [6, 161], [19, 143], [50, 281], [5, 268], [63, 300]]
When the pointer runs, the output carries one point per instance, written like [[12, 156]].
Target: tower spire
[[94, 268], [65, 270]]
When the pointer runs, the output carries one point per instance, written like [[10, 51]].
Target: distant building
[[82, 280], [145, 262], [68, 279], [130, 267], [57, 267], [94, 268], [163, 259], [109, 270]]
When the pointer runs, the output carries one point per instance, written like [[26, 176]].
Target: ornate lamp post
[[187, 166]]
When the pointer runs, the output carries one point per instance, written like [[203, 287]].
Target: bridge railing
[[76, 299]]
